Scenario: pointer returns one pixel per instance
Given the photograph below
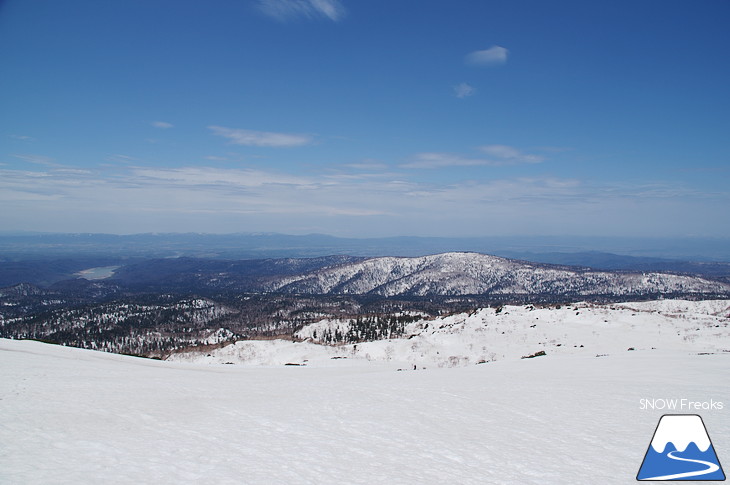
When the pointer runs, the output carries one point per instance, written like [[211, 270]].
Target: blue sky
[[366, 118]]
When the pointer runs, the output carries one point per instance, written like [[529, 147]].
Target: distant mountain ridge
[[154, 306], [479, 274], [444, 274], [600, 250], [46, 259]]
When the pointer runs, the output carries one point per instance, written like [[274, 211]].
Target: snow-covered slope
[[508, 332], [473, 273], [71, 416]]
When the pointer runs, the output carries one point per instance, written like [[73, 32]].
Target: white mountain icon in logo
[[681, 450]]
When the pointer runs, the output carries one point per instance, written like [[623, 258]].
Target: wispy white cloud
[[361, 172], [162, 125], [554, 149], [73, 171], [367, 165], [119, 158], [510, 155], [261, 138], [139, 199], [290, 9], [22, 137], [464, 90], [493, 56], [432, 160], [207, 176], [498, 155], [37, 159]]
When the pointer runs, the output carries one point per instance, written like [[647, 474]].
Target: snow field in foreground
[[75, 416]]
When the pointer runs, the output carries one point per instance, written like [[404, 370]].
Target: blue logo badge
[[681, 450]]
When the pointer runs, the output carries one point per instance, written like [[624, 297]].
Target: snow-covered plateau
[[507, 332], [575, 415]]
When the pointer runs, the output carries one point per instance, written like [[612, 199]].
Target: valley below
[[160, 307]]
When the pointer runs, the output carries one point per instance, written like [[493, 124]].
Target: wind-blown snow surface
[[78, 416], [510, 332]]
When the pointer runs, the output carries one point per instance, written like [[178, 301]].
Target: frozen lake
[[100, 273]]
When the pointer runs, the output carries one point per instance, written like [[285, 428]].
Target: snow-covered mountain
[[480, 274]]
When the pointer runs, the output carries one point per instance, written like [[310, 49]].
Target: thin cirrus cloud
[[224, 196], [36, 159], [498, 155], [367, 165], [464, 90], [493, 56], [163, 125], [261, 138], [431, 160], [510, 155], [22, 137], [284, 10], [199, 176]]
